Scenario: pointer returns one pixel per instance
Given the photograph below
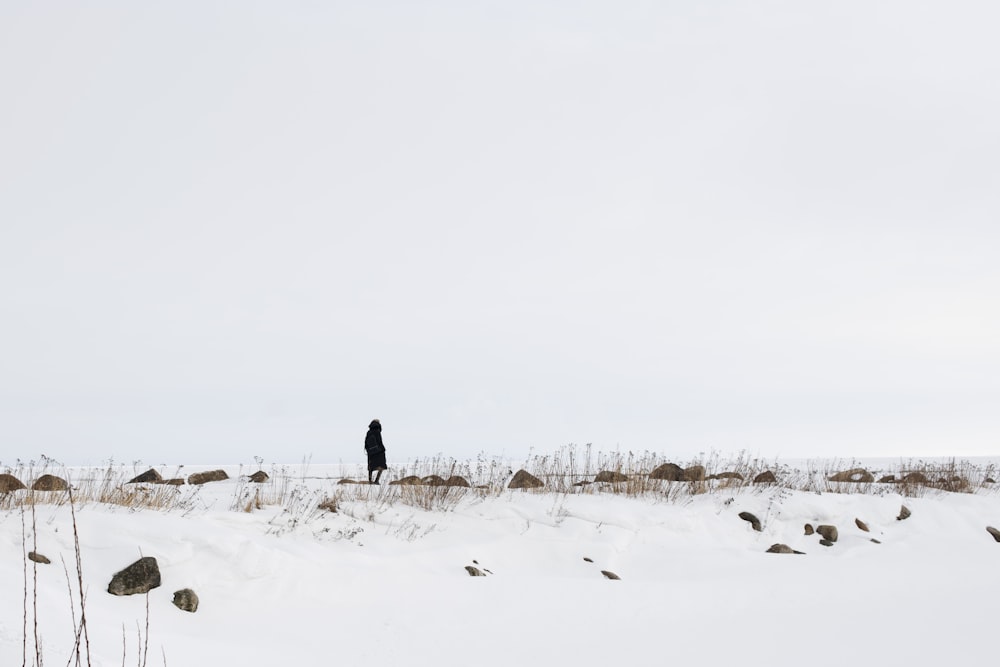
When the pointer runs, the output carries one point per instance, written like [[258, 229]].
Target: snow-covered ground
[[384, 581]]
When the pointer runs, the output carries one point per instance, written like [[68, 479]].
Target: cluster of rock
[[151, 476], [915, 477], [143, 576], [44, 483]]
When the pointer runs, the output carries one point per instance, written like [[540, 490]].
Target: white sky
[[246, 229]]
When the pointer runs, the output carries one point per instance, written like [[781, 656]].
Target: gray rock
[[409, 480], [610, 477], [994, 532], [766, 477], [207, 476], [459, 481], [589, 560], [670, 472], [38, 558], [876, 541], [148, 477], [826, 543], [809, 529], [50, 483], [782, 549], [186, 600], [862, 525], [753, 520], [525, 480], [694, 474], [474, 571], [915, 478], [10, 483], [139, 577], [887, 479], [433, 480], [610, 575], [259, 477], [856, 475], [904, 513], [828, 532], [174, 481]]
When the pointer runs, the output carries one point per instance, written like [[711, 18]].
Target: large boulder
[[50, 483], [186, 600], [149, 477], [207, 476], [10, 483], [766, 477], [525, 480], [611, 477], [459, 481], [856, 475], [694, 474], [138, 578], [670, 472]]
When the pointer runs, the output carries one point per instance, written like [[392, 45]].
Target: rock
[[727, 475], [587, 559], [782, 549], [809, 529], [694, 474], [856, 475], [610, 575], [829, 533], [582, 483], [10, 483], [525, 480], [409, 480], [148, 477], [988, 480], [766, 477], [876, 541], [887, 479], [208, 476], [458, 480], [174, 481], [186, 600], [670, 472], [259, 477], [474, 571], [139, 577], [915, 478], [610, 477], [904, 513], [826, 543], [862, 525], [433, 480], [38, 558], [348, 480], [754, 521], [994, 532], [50, 483]]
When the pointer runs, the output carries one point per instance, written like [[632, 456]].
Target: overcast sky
[[238, 229]]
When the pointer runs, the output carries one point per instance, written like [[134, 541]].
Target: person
[[376, 451]]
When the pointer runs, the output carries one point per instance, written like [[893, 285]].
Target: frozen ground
[[383, 581]]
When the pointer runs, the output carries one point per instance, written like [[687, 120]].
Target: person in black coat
[[375, 450]]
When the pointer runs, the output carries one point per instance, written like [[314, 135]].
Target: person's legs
[[378, 476], [370, 477]]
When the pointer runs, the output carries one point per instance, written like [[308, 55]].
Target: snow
[[383, 580]]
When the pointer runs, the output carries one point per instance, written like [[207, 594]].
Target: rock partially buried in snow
[[904, 513], [258, 477], [38, 558], [828, 532], [10, 483], [727, 475], [186, 600], [670, 472], [610, 575], [766, 477], [862, 525], [409, 480], [525, 480], [994, 532], [887, 479], [459, 481], [207, 476], [782, 549], [148, 477], [50, 483], [174, 481], [753, 520], [915, 478], [610, 477], [474, 571], [856, 475], [694, 474], [433, 480], [826, 543], [809, 529], [139, 577]]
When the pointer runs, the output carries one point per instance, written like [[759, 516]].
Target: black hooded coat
[[374, 447]]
